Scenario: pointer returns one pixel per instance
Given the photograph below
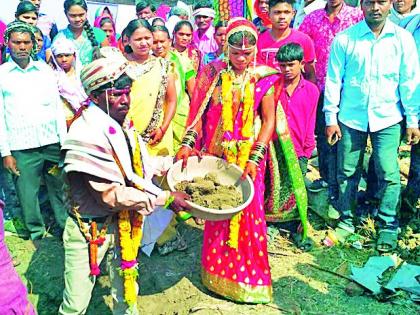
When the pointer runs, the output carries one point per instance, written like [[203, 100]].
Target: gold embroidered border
[[239, 292], [205, 102]]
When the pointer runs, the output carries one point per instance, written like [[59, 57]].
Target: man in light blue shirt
[[372, 83], [32, 125]]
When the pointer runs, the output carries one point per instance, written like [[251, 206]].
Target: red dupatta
[[265, 19]]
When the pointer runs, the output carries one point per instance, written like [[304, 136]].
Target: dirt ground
[[171, 284], [302, 282]]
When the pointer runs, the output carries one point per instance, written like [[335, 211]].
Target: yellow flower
[[227, 101], [234, 230]]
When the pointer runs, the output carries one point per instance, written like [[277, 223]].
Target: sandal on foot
[[387, 241], [305, 245]]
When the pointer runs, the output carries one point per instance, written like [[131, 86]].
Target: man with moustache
[[109, 171], [203, 37], [32, 125], [371, 85]]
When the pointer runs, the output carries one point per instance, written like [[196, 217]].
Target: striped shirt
[[31, 114]]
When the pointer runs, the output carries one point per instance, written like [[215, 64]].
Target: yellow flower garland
[[130, 238], [237, 151], [130, 229]]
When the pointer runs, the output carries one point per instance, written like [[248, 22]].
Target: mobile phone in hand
[[333, 140]]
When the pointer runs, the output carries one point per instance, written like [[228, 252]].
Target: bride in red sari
[[232, 116]]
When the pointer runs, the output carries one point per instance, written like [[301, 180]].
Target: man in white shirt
[[32, 125]]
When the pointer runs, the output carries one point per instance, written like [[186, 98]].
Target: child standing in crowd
[[281, 14], [220, 37], [67, 68], [322, 26], [299, 99]]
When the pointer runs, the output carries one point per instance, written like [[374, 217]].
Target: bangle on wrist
[[169, 201], [186, 145], [253, 162]]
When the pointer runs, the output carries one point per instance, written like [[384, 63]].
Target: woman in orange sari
[[233, 116]]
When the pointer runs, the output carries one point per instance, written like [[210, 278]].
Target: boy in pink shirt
[[299, 98], [281, 13]]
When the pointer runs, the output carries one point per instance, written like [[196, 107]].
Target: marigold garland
[[236, 151], [234, 230], [130, 230]]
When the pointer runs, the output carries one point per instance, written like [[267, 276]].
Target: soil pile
[[210, 193]]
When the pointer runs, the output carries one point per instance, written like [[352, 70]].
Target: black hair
[[290, 52], [273, 3], [3, 53], [161, 28], [124, 32], [123, 81], [38, 30], [143, 4], [19, 27], [86, 26], [69, 3], [181, 24], [220, 24], [106, 20], [156, 19], [203, 4], [237, 39], [132, 26], [25, 7]]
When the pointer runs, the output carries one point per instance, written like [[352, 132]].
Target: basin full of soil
[[208, 192]]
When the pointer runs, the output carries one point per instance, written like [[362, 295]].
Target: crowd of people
[[93, 120]]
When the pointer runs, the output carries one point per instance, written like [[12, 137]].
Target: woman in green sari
[[184, 75]]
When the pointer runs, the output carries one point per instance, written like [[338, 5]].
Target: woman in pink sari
[[230, 98]]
